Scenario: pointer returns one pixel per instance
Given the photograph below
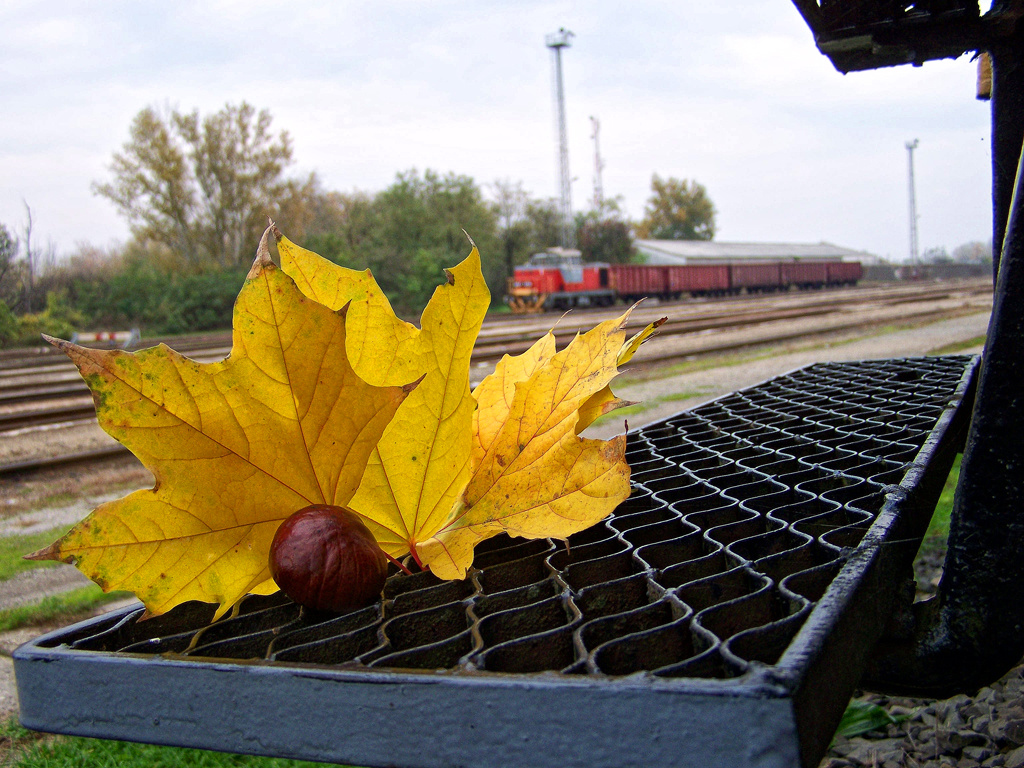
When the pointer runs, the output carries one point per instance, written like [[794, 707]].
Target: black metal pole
[[973, 631], [1007, 134]]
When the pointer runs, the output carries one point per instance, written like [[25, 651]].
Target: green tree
[[936, 255], [678, 209], [975, 252], [8, 326], [515, 230], [340, 227], [141, 285], [545, 224], [10, 280], [202, 186], [58, 319], [604, 235], [605, 239], [413, 230]]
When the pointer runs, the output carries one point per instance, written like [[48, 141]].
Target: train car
[[698, 279], [560, 279], [755, 277], [632, 282], [844, 272], [804, 274]]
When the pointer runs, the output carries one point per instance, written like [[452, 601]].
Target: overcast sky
[[732, 94]]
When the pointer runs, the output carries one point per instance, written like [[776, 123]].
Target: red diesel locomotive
[[559, 279]]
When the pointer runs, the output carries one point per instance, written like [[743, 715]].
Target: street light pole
[[911, 146], [556, 42]]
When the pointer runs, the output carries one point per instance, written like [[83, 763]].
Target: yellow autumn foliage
[[236, 447], [328, 397]]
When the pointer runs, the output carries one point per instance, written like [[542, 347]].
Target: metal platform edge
[[394, 718], [831, 650], [783, 715]]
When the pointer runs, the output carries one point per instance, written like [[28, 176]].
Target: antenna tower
[[911, 146], [556, 42], [598, 165]]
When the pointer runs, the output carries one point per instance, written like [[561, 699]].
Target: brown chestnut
[[325, 558]]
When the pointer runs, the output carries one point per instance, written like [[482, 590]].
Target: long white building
[[710, 251]]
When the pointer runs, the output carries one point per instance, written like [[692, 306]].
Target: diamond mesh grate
[[742, 513]]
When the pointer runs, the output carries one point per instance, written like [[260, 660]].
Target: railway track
[[18, 376], [712, 327], [47, 361]]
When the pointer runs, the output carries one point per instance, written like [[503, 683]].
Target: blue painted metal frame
[[781, 714], [390, 718]]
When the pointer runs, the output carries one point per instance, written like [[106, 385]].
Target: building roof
[[689, 251]]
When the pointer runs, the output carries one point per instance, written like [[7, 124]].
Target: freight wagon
[[844, 272], [560, 279], [761, 277], [698, 279]]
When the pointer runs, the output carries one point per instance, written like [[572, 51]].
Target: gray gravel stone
[[986, 730], [1014, 758], [1013, 732], [978, 754]]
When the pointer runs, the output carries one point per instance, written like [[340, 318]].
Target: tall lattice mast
[[556, 42], [598, 165], [911, 146]]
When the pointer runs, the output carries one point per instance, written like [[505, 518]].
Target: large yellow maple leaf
[[236, 447], [421, 464], [455, 467]]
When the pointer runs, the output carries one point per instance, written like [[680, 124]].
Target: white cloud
[[734, 95]]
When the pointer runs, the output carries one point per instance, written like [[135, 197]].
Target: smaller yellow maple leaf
[[605, 401], [236, 447], [533, 476]]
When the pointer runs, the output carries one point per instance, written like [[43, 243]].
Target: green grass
[[620, 413], [686, 395], [647, 405], [938, 529], [65, 605], [862, 717], [12, 549], [727, 359], [959, 346], [21, 748], [59, 499]]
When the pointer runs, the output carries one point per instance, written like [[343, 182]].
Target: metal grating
[[749, 516]]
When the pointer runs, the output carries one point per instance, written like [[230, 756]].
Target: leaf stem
[[398, 563], [412, 551]]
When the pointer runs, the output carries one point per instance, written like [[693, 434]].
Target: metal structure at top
[[911, 146], [867, 34], [556, 42], [969, 634], [598, 165]]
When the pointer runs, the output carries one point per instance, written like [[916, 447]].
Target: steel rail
[[22, 419], [496, 340], [26, 466], [661, 349], [492, 348], [26, 362]]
